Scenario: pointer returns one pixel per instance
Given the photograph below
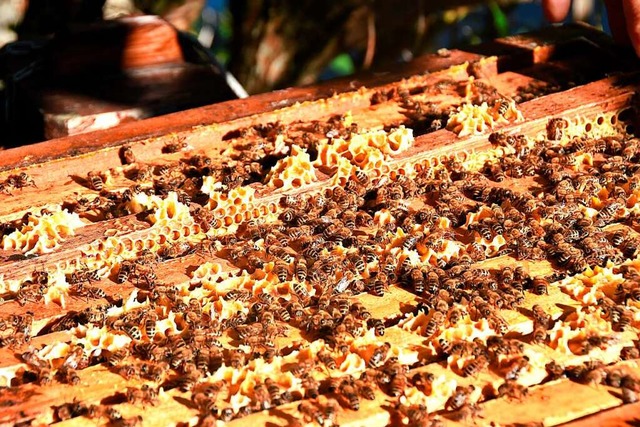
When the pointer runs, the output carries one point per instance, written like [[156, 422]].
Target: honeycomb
[[43, 232], [293, 171], [470, 119]]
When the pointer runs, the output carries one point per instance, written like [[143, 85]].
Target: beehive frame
[[59, 170]]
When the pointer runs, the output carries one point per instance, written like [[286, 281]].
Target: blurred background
[[271, 44], [259, 46]]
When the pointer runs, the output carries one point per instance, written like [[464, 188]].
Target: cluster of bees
[[16, 182], [330, 247], [15, 329], [425, 116]]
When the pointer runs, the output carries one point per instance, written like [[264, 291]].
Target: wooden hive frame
[[59, 169]]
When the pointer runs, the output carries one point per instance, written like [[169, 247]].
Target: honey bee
[[261, 396], [311, 386], [281, 253], [437, 320], [350, 394], [89, 292], [327, 359], [237, 358], [212, 390], [357, 262], [423, 381], [181, 358], [398, 384], [360, 311], [150, 325], [361, 177], [141, 173], [202, 163], [267, 319], [127, 371], [76, 358], [540, 316], [629, 353], [621, 318], [475, 366], [32, 359], [44, 375], [446, 346], [145, 395], [20, 181], [250, 330], [113, 415], [515, 367], [274, 391], [503, 106], [416, 415], [83, 275], [281, 270], [555, 128], [125, 270], [341, 287], [539, 334], [311, 412], [174, 250], [614, 378], [226, 414], [70, 410], [411, 241], [174, 146], [498, 324], [204, 403], [349, 219], [302, 367], [554, 370], [30, 292], [365, 389], [363, 219], [540, 286], [607, 213], [296, 310], [377, 325], [134, 332], [68, 375], [95, 181], [379, 285], [379, 355], [455, 315], [188, 380], [459, 398], [116, 357], [512, 390], [628, 395], [631, 382], [20, 323], [126, 155], [418, 280]]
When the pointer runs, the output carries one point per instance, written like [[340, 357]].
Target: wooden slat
[[625, 415], [557, 402]]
